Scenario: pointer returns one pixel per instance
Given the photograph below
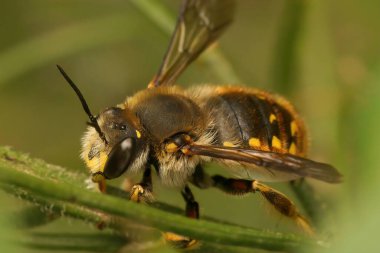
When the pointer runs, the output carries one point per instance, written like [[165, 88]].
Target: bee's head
[[113, 142], [119, 147]]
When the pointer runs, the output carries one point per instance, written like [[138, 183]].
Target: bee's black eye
[[120, 157], [123, 127]]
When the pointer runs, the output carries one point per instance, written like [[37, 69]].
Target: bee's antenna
[[93, 119]]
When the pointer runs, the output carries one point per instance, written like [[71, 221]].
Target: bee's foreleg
[[143, 191]]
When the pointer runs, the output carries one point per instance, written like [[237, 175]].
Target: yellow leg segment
[[140, 194], [179, 241], [283, 205]]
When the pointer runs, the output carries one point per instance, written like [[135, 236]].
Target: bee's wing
[[199, 24], [277, 165]]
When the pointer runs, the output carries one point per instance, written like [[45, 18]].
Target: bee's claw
[[179, 241], [139, 193]]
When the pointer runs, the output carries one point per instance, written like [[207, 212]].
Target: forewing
[[199, 24], [278, 165]]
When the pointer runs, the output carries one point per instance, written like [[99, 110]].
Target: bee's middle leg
[[192, 207], [192, 211]]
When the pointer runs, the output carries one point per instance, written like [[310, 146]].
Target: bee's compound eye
[[119, 158]]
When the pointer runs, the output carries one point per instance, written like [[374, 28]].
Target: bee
[[256, 135]]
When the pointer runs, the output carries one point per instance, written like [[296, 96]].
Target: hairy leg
[[232, 186]]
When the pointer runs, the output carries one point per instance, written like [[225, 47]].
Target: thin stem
[[20, 174], [286, 74], [284, 71]]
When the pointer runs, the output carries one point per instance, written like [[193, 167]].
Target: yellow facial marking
[[138, 134], [254, 142], [272, 118], [276, 143], [171, 147], [292, 148], [97, 163], [228, 144], [293, 128]]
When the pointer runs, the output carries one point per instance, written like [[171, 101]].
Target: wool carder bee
[[256, 135]]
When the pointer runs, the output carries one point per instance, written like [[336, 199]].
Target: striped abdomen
[[255, 119]]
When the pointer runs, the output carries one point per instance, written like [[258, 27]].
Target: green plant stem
[[316, 80], [106, 242], [314, 206], [31, 217], [19, 174], [285, 60], [286, 72], [101, 242], [41, 169]]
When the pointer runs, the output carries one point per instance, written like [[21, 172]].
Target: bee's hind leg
[[143, 191], [233, 186]]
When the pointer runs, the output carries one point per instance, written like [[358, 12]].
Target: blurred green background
[[322, 55]]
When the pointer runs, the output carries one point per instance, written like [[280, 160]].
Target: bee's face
[[120, 147]]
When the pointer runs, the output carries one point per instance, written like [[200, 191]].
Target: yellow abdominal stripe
[[254, 142], [293, 128], [272, 118], [276, 143], [292, 148]]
